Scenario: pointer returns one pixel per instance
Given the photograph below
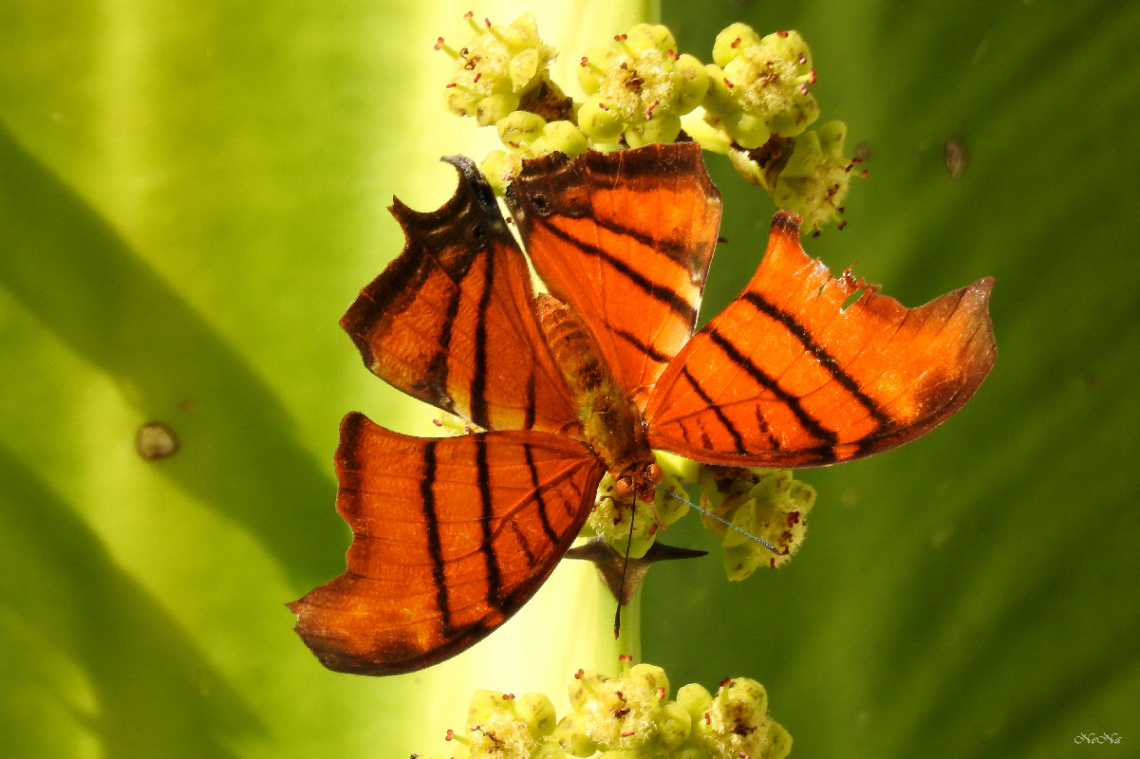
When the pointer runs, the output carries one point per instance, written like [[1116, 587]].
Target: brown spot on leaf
[[155, 440]]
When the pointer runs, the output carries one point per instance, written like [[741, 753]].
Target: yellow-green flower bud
[[599, 123], [592, 70], [499, 68], [739, 724], [494, 107], [630, 714], [644, 37], [718, 100], [731, 41], [519, 129], [524, 68], [760, 80], [499, 166], [693, 83], [639, 91], [570, 736], [528, 135], [499, 725], [560, 137], [673, 727], [746, 130], [537, 712], [663, 129]]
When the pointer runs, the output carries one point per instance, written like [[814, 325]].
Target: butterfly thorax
[[610, 421]]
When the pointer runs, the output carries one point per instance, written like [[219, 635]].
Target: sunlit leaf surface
[[191, 193]]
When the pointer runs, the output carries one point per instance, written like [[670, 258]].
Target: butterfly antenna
[[624, 567], [723, 521]]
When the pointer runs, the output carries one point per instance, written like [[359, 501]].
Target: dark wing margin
[[451, 321], [625, 238], [450, 537], [787, 377]]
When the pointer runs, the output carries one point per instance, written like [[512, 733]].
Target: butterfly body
[[451, 536], [610, 422]]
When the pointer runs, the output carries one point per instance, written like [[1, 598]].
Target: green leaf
[[975, 593], [190, 195]]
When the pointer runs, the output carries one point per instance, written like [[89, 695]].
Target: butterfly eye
[[541, 204], [623, 487], [654, 474], [479, 235]]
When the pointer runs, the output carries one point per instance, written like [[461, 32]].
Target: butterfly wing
[[450, 537], [626, 238], [786, 377], [451, 321]]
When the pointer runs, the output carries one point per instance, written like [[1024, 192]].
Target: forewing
[[450, 537], [786, 377], [452, 322], [626, 239]]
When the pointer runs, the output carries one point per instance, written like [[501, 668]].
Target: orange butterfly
[[453, 535]]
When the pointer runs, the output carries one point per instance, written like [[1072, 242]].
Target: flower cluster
[[637, 93], [502, 70], [753, 103], [759, 87], [629, 716], [768, 504]]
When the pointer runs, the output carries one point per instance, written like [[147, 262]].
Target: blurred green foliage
[[191, 193]]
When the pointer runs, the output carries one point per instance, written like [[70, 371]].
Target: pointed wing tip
[[786, 223], [983, 287], [471, 180]]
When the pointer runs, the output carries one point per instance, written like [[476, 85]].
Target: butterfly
[[451, 536]]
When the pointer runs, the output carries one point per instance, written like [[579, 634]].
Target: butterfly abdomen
[[610, 422]]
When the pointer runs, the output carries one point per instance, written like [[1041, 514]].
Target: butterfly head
[[641, 481]]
